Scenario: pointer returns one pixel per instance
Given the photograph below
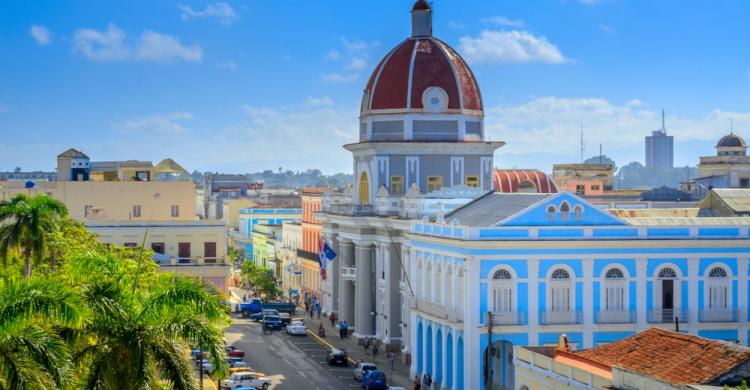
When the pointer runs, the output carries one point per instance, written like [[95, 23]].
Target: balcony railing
[[508, 318], [663, 316], [615, 317], [349, 272], [561, 317], [445, 312], [717, 315]]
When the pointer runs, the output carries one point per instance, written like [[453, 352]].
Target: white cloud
[[114, 45], [155, 124], [509, 47], [322, 101], [357, 63], [228, 65], [354, 45], [153, 46], [101, 45], [220, 11], [333, 55], [530, 128], [456, 25], [504, 21], [41, 34], [339, 78], [606, 29]]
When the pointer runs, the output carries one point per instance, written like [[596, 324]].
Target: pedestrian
[[346, 330], [311, 312], [428, 380], [416, 383], [332, 317], [340, 325], [321, 330], [367, 345], [319, 310], [307, 306], [374, 351]]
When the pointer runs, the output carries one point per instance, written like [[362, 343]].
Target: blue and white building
[[249, 218], [539, 265]]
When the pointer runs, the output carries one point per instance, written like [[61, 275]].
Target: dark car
[[234, 352], [261, 315], [272, 322], [374, 380], [337, 356]]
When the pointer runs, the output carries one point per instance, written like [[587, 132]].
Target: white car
[[296, 328], [361, 368], [246, 379]]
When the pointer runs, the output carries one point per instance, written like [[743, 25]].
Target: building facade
[[584, 179], [242, 240], [538, 266], [421, 150], [660, 148], [730, 168]]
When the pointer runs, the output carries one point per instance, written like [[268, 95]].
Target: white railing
[[615, 317], [717, 315], [508, 318], [561, 317]]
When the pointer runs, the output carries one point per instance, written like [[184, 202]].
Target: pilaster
[[363, 293], [532, 311], [742, 265], [588, 302], [641, 293]]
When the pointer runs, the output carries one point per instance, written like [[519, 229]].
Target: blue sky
[[241, 86]]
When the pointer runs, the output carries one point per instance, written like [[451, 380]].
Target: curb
[[329, 345]]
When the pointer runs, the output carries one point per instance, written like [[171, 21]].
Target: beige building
[[231, 210], [569, 177]]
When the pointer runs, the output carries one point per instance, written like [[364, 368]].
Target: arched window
[[551, 214], [560, 287], [578, 213], [718, 289], [564, 212], [502, 291], [364, 189], [614, 290], [667, 273]]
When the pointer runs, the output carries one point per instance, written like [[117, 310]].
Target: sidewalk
[[398, 377]]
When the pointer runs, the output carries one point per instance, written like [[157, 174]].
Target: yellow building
[[187, 248], [231, 210]]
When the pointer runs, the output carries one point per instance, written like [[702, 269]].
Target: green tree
[[32, 353], [260, 280], [137, 339], [27, 222]]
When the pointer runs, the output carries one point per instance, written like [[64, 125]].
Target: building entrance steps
[[398, 376]]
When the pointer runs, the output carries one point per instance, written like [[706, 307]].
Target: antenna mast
[[583, 145]]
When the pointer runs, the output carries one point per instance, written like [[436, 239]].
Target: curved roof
[[421, 5], [169, 166], [511, 180], [731, 141], [416, 64]]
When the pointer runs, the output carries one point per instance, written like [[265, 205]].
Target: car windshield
[[369, 367], [377, 375]]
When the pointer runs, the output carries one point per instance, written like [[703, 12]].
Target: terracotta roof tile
[[671, 357]]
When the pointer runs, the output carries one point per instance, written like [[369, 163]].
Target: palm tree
[[26, 223], [139, 339], [32, 354]]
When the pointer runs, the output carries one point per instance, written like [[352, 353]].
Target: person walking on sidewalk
[[374, 351], [417, 385], [367, 345], [332, 317], [319, 309]]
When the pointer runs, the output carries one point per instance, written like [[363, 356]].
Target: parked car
[[361, 368], [337, 356], [259, 316], [246, 378], [234, 352], [296, 328], [374, 380], [229, 365], [272, 322], [285, 318]]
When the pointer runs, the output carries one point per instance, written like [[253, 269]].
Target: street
[[292, 362]]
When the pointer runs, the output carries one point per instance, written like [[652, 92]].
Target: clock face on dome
[[435, 99]]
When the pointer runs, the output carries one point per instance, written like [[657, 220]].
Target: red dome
[[401, 78], [522, 180], [421, 5]]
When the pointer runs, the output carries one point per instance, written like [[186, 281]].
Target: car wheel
[[265, 386]]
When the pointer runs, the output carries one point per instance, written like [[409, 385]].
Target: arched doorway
[[502, 366], [420, 349], [460, 364], [364, 189]]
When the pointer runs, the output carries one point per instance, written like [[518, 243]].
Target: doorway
[[667, 300]]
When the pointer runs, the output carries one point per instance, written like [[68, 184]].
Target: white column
[[346, 290], [363, 293], [472, 372], [692, 292], [533, 306], [742, 263], [588, 302], [454, 361], [641, 266]]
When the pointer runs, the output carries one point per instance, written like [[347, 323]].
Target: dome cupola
[[421, 77], [731, 145]]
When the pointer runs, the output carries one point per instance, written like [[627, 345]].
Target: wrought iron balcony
[[615, 317], [561, 317], [664, 316], [717, 315], [509, 318], [349, 272]]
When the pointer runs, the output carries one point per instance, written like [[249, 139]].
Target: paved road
[[292, 362]]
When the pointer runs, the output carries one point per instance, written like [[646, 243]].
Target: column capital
[[344, 241], [363, 244]]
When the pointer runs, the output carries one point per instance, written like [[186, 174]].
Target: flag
[[330, 254], [322, 260]]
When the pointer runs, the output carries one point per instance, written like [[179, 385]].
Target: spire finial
[[421, 19], [663, 126]]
